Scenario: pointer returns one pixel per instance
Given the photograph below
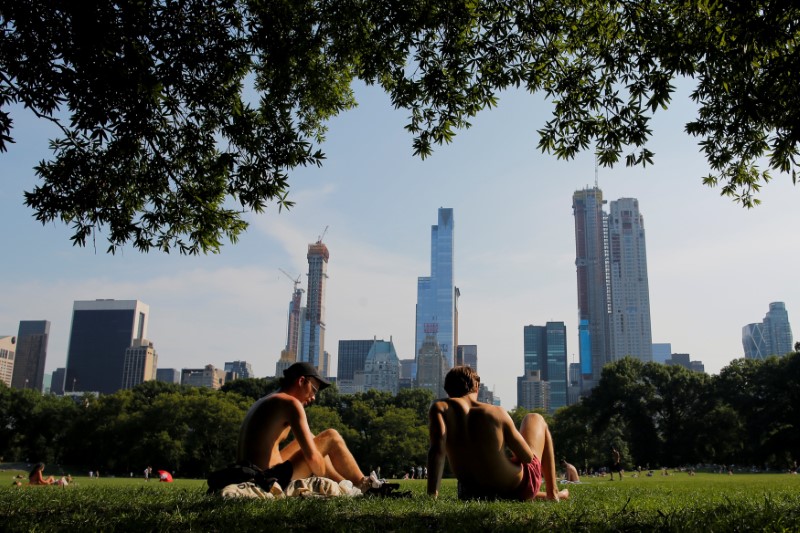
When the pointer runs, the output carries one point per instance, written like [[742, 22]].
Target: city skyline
[[713, 266]]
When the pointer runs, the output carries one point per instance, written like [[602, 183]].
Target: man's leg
[[536, 433], [339, 462]]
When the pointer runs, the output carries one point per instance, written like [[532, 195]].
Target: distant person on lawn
[[269, 421], [36, 476], [474, 436], [570, 472]]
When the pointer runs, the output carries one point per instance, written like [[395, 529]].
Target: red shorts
[[526, 490], [531, 480]]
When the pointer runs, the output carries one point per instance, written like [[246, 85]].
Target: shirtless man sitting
[[475, 436], [269, 421], [570, 472]]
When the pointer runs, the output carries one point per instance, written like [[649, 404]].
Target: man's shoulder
[[279, 399]]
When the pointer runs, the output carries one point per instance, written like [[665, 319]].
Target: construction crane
[[295, 281], [319, 239]]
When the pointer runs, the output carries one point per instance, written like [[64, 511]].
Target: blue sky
[[713, 266]]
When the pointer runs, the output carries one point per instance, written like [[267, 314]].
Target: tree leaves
[[162, 148]]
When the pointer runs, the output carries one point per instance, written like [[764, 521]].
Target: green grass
[[706, 502]]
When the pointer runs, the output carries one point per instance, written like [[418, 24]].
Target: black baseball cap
[[305, 369]]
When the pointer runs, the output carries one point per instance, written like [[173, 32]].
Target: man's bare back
[[266, 425], [476, 438], [487, 429]]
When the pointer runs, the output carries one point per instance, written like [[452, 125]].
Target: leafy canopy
[[162, 144]]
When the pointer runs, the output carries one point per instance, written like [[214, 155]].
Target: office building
[[238, 370], [8, 346], [436, 294], [168, 375], [661, 352], [772, 336], [31, 354], [683, 359], [57, 381], [545, 353], [629, 290], [208, 376], [351, 357], [102, 330], [533, 392], [408, 369], [590, 264], [141, 362], [313, 340], [467, 355]]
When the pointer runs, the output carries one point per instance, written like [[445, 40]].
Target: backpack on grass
[[234, 473]]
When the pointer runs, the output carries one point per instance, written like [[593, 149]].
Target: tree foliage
[[176, 118], [670, 416]]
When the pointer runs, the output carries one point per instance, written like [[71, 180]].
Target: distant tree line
[[191, 431], [655, 415], [668, 416]]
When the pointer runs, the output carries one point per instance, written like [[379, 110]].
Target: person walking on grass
[[616, 464], [270, 420], [473, 436]]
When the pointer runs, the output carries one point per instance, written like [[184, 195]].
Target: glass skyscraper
[[772, 336], [102, 330], [545, 355], [436, 298]]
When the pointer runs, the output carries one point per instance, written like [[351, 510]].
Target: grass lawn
[[706, 502]]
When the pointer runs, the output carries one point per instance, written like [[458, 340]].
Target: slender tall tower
[[313, 348], [590, 263], [630, 295], [436, 294]]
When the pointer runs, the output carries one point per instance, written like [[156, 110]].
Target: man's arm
[[437, 431], [305, 439]]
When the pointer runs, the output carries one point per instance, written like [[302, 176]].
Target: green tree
[[162, 146], [251, 388]]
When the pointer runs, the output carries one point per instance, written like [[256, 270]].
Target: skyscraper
[[557, 363], [772, 336], [436, 294], [31, 354], [590, 263], [613, 290], [627, 271], [101, 332], [545, 360], [313, 348]]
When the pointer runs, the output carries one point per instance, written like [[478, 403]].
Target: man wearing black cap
[[269, 421]]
